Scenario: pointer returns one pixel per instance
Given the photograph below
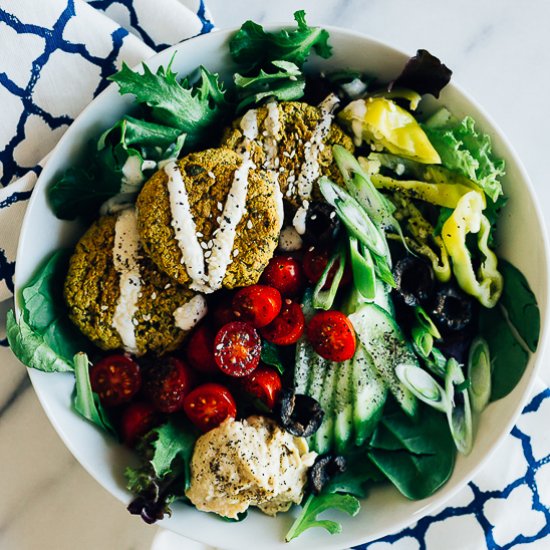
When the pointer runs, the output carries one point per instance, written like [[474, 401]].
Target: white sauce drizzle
[[270, 145], [132, 175], [358, 110], [249, 125], [189, 314], [126, 263], [299, 221], [192, 255], [233, 211]]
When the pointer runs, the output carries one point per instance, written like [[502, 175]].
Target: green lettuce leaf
[[468, 151], [86, 402], [317, 504], [270, 356], [192, 109], [285, 84], [252, 47]]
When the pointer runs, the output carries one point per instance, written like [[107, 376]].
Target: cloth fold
[[56, 57]]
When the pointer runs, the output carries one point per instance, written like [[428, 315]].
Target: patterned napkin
[[55, 57]]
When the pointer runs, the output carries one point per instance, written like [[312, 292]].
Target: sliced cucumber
[[385, 343], [317, 370], [302, 367], [343, 407], [369, 395], [323, 440]]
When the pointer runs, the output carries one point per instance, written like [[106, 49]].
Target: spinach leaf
[[416, 454], [520, 303], [285, 84], [270, 356], [317, 504], [164, 473], [192, 109], [252, 47], [86, 403], [423, 73], [508, 357], [29, 347]]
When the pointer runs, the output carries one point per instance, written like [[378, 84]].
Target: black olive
[[414, 278], [324, 468], [456, 344], [452, 308], [322, 224], [300, 415]]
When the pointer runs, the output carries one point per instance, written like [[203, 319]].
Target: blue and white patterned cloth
[[55, 56]]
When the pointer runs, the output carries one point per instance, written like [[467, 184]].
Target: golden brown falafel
[[208, 178], [92, 290]]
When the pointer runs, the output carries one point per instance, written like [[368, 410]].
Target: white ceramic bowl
[[385, 511]]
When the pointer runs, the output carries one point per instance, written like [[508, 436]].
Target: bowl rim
[[444, 496]]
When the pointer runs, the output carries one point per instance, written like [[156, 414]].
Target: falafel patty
[[119, 299], [287, 133], [210, 220]]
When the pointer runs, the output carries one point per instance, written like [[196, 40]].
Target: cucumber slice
[[369, 395], [343, 407], [385, 343], [323, 440], [317, 370], [302, 367]]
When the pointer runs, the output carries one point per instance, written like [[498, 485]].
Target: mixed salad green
[[419, 205]]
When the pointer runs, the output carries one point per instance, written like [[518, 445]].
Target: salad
[[288, 289]]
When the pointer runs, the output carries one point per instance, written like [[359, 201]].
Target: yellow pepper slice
[[442, 194], [468, 217], [385, 125]]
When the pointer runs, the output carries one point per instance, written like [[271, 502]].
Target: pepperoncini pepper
[[468, 217], [385, 125]]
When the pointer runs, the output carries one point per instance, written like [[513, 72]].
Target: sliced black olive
[[456, 344], [452, 308], [300, 415], [414, 279], [322, 224], [324, 468]]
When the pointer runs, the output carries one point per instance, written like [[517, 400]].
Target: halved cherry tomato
[[314, 262], [115, 379], [332, 336], [257, 305], [287, 327], [265, 384], [209, 405], [237, 349], [285, 274], [167, 383], [200, 350], [136, 420]]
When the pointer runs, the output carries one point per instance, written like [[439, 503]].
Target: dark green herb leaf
[[85, 402], [315, 505], [270, 356], [416, 454], [252, 47], [508, 357], [520, 303]]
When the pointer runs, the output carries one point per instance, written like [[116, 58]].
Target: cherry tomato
[[237, 349], [257, 305], [209, 405], [167, 383], [200, 350], [287, 327], [265, 384], [115, 379], [314, 263], [136, 420], [332, 336], [285, 274]]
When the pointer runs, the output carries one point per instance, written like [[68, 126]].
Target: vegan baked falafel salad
[[287, 289]]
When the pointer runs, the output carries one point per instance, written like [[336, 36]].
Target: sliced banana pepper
[[441, 194], [468, 217], [386, 126]]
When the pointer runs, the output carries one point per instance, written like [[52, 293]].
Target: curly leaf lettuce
[[462, 147], [253, 48]]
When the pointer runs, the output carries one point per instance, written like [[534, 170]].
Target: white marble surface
[[499, 52]]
